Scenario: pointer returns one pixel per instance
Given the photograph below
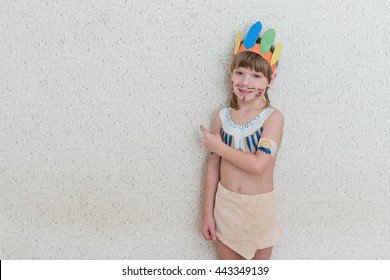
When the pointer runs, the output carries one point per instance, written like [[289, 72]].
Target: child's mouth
[[245, 91]]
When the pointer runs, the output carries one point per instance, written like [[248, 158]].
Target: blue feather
[[252, 35]]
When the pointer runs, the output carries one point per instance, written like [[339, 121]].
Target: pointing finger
[[203, 129]]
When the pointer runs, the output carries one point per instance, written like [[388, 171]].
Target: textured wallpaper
[[100, 106]]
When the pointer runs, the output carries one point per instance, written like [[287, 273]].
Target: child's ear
[[273, 77]]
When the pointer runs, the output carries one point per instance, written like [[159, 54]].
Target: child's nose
[[245, 79]]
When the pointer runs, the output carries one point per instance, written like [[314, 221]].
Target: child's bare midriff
[[238, 180]]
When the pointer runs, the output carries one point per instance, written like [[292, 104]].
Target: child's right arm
[[211, 184]]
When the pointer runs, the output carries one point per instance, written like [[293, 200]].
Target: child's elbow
[[259, 170]]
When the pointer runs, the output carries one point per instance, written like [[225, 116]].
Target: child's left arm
[[270, 140]]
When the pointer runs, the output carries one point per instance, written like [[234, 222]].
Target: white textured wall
[[100, 153]]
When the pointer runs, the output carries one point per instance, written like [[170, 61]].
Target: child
[[240, 203]]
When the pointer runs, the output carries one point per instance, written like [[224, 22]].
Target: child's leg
[[263, 254], [225, 253]]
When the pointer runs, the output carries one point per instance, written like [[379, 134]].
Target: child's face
[[248, 85]]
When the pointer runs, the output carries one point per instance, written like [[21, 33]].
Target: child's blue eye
[[238, 73], [257, 76]]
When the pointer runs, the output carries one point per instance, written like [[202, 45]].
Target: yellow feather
[[277, 53], [238, 40]]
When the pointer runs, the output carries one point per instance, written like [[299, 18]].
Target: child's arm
[[211, 184], [254, 164]]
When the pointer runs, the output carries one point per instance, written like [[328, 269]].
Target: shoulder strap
[[222, 115], [268, 113]]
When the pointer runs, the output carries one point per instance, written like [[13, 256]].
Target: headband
[[263, 48]]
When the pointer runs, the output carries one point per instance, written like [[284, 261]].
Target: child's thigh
[[225, 253], [263, 254]]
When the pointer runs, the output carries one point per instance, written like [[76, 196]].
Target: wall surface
[[100, 106]]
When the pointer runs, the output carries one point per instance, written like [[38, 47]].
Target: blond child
[[240, 211]]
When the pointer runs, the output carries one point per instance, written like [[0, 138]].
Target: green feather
[[267, 40]]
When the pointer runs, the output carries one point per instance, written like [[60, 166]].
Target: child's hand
[[208, 229], [211, 141]]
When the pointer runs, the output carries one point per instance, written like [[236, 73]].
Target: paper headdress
[[263, 48]]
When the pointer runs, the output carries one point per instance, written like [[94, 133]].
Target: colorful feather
[[267, 40], [277, 53], [252, 35], [238, 41]]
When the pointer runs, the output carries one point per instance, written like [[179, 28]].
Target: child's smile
[[245, 91]]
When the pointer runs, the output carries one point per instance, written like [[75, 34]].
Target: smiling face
[[248, 84], [254, 78]]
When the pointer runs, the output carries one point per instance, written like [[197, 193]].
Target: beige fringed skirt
[[246, 222]]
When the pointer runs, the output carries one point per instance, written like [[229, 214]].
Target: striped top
[[243, 137]]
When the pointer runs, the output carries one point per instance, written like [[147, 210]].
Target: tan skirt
[[246, 222]]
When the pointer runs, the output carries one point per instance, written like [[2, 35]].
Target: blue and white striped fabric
[[244, 137]]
